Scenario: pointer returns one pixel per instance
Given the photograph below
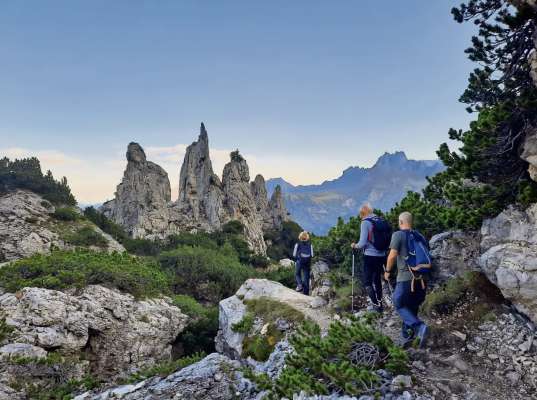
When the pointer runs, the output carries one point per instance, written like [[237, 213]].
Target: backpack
[[382, 233], [418, 254], [303, 252]]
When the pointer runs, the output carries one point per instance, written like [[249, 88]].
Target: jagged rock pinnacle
[[203, 133], [135, 153]]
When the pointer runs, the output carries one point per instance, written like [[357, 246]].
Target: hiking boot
[[404, 342], [423, 334], [298, 288]]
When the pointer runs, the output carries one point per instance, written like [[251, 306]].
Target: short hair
[[406, 217], [365, 210], [304, 236]]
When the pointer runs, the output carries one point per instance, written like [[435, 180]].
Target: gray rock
[[454, 253], [401, 382], [287, 263], [509, 256], [22, 350], [116, 332], [321, 285], [142, 200], [27, 227], [233, 309], [216, 377]]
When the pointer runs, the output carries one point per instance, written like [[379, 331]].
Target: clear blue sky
[[305, 88]]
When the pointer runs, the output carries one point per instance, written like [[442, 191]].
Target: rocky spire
[[240, 203], [276, 208], [200, 194], [140, 202]]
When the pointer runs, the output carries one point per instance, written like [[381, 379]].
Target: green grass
[[244, 325], [270, 310], [65, 269], [443, 299]]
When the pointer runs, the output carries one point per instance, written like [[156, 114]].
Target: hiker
[[409, 253], [375, 235], [303, 253]]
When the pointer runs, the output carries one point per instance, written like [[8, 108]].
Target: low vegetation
[[65, 214], [270, 312], [86, 236], [466, 288], [321, 364], [79, 268], [165, 368]]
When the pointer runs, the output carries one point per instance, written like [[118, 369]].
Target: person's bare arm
[[390, 264]]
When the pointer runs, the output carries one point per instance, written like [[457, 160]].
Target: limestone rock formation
[[239, 202], [216, 377], [454, 253], [509, 256], [200, 189], [232, 310], [140, 203], [27, 227], [112, 331], [321, 284]]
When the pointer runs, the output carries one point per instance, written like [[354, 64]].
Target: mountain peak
[[388, 159]]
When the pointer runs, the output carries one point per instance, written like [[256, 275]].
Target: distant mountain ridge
[[317, 207]]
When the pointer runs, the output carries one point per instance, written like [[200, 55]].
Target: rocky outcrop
[[216, 377], [140, 203], [239, 202], [233, 309], [454, 253], [321, 284], [27, 227], [509, 256], [113, 332], [277, 213], [529, 151], [200, 190]]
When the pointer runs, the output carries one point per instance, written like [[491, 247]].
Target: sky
[[304, 89]]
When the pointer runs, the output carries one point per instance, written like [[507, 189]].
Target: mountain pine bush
[[320, 364], [26, 174]]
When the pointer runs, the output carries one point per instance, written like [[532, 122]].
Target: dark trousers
[[302, 275], [407, 304], [372, 277]]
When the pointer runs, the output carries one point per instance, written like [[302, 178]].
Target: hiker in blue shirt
[[410, 288], [303, 253], [375, 235]]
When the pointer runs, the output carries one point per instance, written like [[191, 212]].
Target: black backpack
[[304, 251], [382, 233]]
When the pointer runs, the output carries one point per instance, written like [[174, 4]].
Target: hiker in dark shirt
[[407, 297], [303, 253]]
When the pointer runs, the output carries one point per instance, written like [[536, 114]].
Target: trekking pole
[[388, 282], [352, 284]]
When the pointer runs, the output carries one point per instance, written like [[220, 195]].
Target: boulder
[[216, 377], [140, 202], [27, 227], [286, 263], [321, 284], [454, 253], [233, 309], [113, 331], [509, 256]]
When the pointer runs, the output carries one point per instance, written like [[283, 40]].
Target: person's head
[[365, 210], [304, 236], [405, 220]]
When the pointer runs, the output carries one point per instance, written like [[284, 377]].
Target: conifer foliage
[[486, 173], [321, 365], [26, 174]]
